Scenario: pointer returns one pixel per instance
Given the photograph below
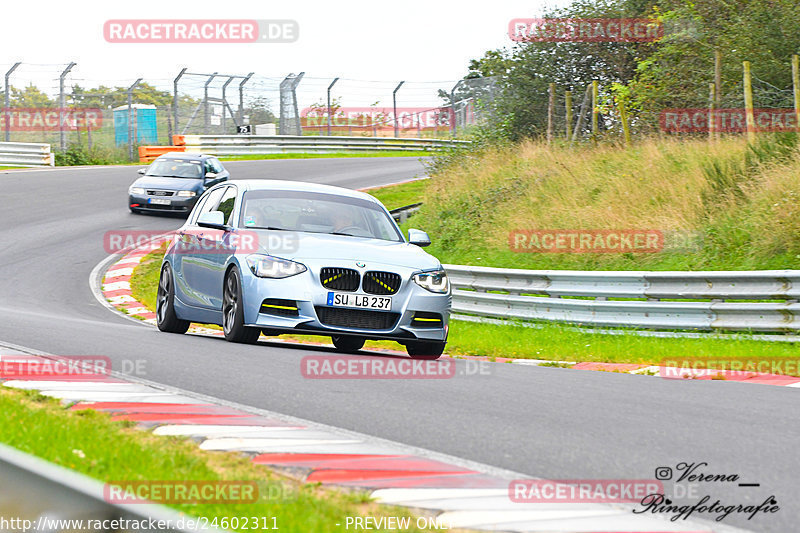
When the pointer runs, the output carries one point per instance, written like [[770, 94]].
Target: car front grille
[[339, 279], [380, 282], [157, 192], [356, 318]]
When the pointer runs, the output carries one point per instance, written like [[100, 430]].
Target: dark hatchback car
[[174, 182]]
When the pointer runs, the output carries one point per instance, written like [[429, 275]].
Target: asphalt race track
[[539, 421]]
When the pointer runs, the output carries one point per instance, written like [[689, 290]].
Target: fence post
[[568, 108], [796, 86], [748, 103], [582, 113], [712, 119], [225, 104], [329, 104], [130, 118], [595, 110], [175, 99], [61, 105], [394, 106], [6, 103], [551, 103], [623, 115], [206, 120], [241, 97]]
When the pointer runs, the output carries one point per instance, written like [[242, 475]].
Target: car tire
[[427, 350], [348, 344], [166, 318], [233, 311]]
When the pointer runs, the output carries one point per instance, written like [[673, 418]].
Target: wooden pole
[[551, 104], [623, 115], [595, 110], [748, 103], [568, 108], [717, 78], [796, 85], [712, 105]]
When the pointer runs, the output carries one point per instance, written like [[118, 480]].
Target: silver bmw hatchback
[[273, 257]]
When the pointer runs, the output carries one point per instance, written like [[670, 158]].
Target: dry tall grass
[[746, 202]]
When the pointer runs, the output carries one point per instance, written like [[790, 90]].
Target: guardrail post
[[61, 105], [130, 118], [394, 107], [6, 103], [329, 103]]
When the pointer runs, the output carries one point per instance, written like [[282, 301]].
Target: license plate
[[159, 201], [362, 301]]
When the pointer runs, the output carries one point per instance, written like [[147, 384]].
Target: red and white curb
[[461, 494]]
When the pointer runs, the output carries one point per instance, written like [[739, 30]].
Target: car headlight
[[433, 281], [187, 194], [266, 266], [136, 190]]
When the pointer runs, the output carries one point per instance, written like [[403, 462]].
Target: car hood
[[312, 248], [170, 184]]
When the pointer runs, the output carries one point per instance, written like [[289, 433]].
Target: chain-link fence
[[54, 104]]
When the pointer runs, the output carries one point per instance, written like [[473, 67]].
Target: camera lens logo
[[663, 473]]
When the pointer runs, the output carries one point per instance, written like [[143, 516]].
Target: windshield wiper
[[340, 233]]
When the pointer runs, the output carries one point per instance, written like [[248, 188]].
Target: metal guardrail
[[31, 488], [759, 301], [401, 214], [26, 155], [227, 145]]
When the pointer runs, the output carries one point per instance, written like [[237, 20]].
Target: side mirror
[[141, 171], [211, 175], [213, 220], [418, 237]]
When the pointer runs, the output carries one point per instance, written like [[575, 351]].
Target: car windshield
[[174, 168], [313, 212]]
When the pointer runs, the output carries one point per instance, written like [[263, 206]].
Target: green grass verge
[[550, 342], [314, 155], [394, 196], [89, 442]]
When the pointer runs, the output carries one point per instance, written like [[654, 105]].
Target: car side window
[[226, 204], [216, 165], [211, 202]]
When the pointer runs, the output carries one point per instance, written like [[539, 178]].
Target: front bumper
[[311, 301], [144, 202]]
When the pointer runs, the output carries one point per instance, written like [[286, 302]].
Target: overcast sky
[[412, 40]]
